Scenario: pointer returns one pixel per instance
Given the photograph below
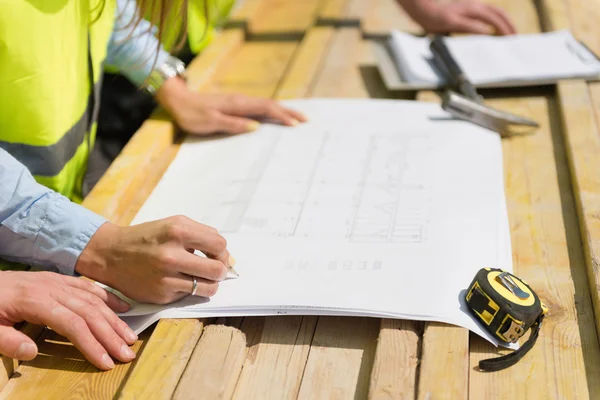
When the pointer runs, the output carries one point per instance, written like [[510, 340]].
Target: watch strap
[[170, 68]]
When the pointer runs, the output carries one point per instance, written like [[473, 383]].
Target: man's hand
[[460, 17], [75, 308], [205, 114], [154, 262]]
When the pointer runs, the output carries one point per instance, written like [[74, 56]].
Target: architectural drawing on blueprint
[[370, 197], [358, 185]]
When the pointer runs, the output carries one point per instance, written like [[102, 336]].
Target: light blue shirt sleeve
[[133, 50], [38, 226]]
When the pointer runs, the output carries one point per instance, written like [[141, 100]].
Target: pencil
[[231, 264]]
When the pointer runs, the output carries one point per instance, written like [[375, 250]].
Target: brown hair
[[165, 12], [166, 15]]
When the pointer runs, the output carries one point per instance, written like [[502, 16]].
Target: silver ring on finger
[[194, 285]]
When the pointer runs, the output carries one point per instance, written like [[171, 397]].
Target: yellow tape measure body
[[506, 306]]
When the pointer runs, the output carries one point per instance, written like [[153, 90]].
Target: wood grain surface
[[553, 197]]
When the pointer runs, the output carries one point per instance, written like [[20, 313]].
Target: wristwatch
[[170, 68]]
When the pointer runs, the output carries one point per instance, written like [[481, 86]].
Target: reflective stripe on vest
[[48, 73], [49, 160]]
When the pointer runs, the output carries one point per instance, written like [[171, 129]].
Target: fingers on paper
[[251, 106], [193, 235], [234, 125], [206, 268], [277, 112]]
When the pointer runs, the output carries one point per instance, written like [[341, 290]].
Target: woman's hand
[[205, 114], [459, 17], [154, 262], [77, 309]]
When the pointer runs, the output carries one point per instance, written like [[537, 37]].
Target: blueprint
[[376, 208]]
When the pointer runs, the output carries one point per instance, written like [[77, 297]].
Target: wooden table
[[290, 49]]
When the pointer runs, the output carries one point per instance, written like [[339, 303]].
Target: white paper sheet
[[373, 208], [489, 59]]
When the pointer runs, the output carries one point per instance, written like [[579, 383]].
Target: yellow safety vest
[[51, 55], [199, 35]]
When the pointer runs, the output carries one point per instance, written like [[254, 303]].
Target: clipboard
[[394, 82]]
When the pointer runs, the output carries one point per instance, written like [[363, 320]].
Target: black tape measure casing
[[507, 308]]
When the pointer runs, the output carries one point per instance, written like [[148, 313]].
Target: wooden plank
[[444, 368], [274, 338], [350, 72], [271, 340], [380, 17], [114, 194], [8, 365], [235, 322], [554, 14], [7, 368], [307, 62], [580, 128], [256, 69], [445, 365], [578, 105], [217, 359], [341, 359], [343, 350], [243, 12], [565, 362], [154, 377], [581, 143], [284, 17], [343, 12], [60, 371], [278, 350], [334, 10], [151, 149], [523, 14], [580, 135], [397, 356], [206, 65], [547, 253], [350, 69], [580, 16]]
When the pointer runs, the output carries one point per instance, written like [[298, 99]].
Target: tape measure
[[507, 308]]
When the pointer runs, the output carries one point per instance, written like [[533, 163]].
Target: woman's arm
[[37, 225]]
